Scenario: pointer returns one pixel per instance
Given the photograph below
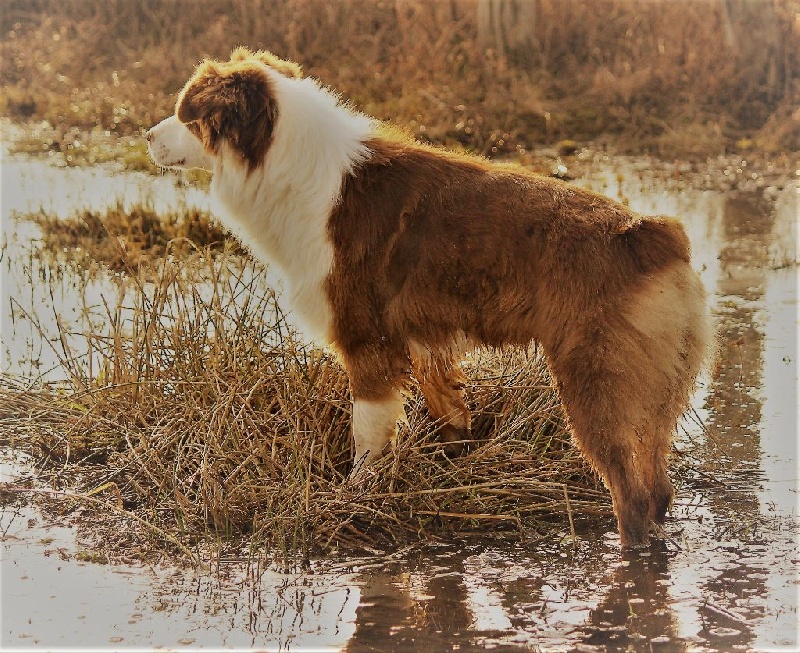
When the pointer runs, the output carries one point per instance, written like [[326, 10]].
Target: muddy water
[[726, 577], [34, 288]]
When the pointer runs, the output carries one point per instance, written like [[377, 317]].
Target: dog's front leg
[[374, 427], [442, 382], [377, 375]]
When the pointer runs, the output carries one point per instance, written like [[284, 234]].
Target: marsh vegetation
[[186, 387], [189, 393]]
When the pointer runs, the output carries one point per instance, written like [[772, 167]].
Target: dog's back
[[448, 244]]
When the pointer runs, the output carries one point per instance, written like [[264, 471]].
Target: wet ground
[[726, 577]]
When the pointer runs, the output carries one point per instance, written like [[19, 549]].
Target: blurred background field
[[500, 77]]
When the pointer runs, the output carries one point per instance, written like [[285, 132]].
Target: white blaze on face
[[172, 145]]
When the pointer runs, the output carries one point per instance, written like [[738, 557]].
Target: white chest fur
[[280, 210]]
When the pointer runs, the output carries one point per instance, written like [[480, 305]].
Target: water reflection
[[428, 602], [636, 607], [735, 398], [33, 290], [726, 577], [505, 597], [735, 405]]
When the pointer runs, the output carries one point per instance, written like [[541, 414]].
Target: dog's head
[[231, 104]]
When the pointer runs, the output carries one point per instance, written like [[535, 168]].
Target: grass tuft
[[125, 239], [195, 401]]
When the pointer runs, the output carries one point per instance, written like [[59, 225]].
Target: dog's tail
[[651, 244]]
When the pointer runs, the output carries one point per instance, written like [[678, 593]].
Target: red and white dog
[[403, 256]]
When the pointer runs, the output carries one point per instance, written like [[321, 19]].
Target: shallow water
[[725, 579]]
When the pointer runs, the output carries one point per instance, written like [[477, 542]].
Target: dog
[[404, 256]]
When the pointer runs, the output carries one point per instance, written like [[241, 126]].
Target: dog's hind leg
[[599, 406], [669, 323], [442, 383], [625, 377]]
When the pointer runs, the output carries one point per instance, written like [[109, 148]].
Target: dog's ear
[[220, 88], [234, 102]]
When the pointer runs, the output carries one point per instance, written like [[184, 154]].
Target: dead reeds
[[122, 238], [196, 403], [495, 77]]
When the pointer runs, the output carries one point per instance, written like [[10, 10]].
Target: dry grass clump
[[125, 238], [195, 401]]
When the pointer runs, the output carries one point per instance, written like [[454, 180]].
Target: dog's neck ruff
[[281, 208]]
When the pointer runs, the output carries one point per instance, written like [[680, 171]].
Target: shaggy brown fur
[[431, 247], [435, 252]]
